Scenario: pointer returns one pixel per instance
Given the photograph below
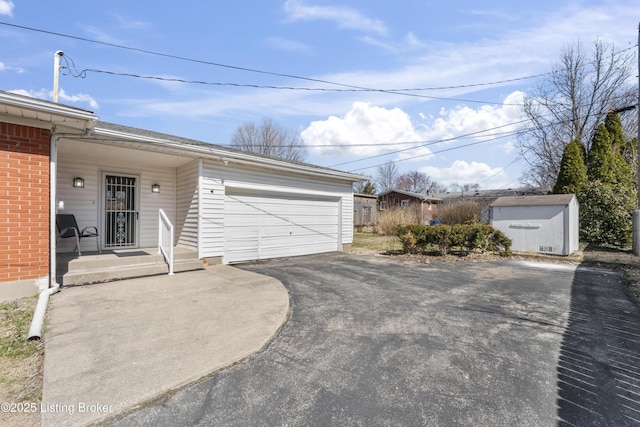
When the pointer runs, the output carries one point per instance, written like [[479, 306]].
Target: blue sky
[[242, 49]]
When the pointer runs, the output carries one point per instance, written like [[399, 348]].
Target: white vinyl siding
[[86, 203], [186, 226], [211, 217]]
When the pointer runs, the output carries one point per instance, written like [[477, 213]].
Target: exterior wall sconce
[[78, 182], [155, 188]]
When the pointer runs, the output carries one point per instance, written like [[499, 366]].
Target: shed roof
[[546, 200]]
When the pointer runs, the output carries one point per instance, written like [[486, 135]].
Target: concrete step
[[108, 266]]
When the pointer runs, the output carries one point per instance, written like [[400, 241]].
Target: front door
[[120, 210]]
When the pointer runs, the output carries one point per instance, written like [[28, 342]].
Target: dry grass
[[21, 362], [390, 218]]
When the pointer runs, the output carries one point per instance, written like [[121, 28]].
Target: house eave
[[24, 110]]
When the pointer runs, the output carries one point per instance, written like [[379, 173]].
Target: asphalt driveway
[[380, 341]]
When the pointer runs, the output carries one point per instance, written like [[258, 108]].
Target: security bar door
[[121, 215]]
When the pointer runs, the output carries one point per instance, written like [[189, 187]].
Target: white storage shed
[[546, 224]]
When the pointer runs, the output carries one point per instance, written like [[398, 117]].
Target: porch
[[94, 267]]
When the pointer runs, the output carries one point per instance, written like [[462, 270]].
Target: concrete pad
[[10, 291], [112, 346]]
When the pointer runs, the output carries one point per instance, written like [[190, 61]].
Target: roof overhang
[[24, 110]]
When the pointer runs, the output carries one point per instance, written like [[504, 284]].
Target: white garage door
[[260, 226]]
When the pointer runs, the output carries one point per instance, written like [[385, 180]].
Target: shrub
[[442, 237], [500, 243], [408, 241], [417, 238], [462, 212]]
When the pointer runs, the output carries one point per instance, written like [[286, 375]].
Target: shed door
[[261, 226]]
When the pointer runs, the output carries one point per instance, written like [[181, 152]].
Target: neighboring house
[[425, 206], [226, 205], [545, 224], [365, 210]]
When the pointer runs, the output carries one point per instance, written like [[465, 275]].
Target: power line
[[309, 89], [182, 58], [436, 142], [432, 153]]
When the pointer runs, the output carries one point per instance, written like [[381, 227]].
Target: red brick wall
[[24, 202]]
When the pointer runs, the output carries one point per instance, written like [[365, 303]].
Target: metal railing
[[165, 238]]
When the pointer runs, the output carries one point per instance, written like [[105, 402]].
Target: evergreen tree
[[600, 161], [608, 201], [623, 173], [572, 178], [605, 216], [369, 188]]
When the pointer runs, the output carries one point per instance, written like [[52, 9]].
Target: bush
[[462, 212], [469, 238], [408, 241]]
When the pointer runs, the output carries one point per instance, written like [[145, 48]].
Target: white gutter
[[35, 331]]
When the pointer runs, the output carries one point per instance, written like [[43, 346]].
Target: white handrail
[[165, 238]]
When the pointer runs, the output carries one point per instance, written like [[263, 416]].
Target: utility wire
[[436, 142], [182, 58], [432, 153], [402, 92]]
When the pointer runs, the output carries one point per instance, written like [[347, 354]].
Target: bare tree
[[570, 104], [387, 176], [269, 139], [465, 187], [417, 182]]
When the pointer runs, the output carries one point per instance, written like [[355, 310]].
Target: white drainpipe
[[35, 331]]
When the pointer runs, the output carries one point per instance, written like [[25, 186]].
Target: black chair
[[68, 227]]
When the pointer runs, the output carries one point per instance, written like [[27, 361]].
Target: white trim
[[200, 204]]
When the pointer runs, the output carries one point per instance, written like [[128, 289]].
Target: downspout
[[35, 331]]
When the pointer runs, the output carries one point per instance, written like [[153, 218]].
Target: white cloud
[[6, 7], [99, 34], [63, 96], [494, 119], [4, 67], [33, 94], [287, 45], [81, 97], [130, 23], [462, 172], [343, 17], [363, 124]]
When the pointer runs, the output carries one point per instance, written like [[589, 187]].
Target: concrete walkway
[[111, 347]]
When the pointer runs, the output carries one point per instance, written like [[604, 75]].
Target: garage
[[260, 225]]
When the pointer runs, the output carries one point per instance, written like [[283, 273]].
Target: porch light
[[78, 182], [155, 188]]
